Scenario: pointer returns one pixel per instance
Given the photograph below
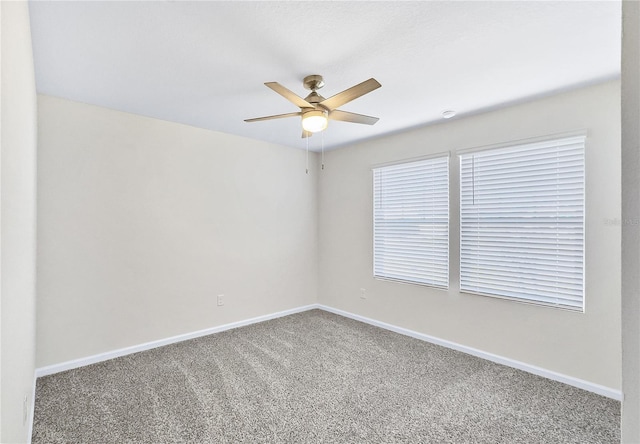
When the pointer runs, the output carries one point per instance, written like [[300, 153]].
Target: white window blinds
[[522, 222], [411, 222]]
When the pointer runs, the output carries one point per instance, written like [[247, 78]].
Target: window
[[411, 222], [522, 222]]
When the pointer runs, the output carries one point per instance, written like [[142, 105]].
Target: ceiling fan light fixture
[[315, 120]]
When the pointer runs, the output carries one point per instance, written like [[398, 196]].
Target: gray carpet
[[314, 377]]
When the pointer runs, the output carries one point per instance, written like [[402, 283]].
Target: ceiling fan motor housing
[[314, 98]]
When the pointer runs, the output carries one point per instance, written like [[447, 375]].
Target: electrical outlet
[[220, 299], [363, 293], [25, 409]]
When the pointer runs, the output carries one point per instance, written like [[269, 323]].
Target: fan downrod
[[313, 82]]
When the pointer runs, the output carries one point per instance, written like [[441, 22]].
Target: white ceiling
[[204, 63]]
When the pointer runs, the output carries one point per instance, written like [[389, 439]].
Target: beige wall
[[17, 221], [584, 346], [142, 223], [631, 213]]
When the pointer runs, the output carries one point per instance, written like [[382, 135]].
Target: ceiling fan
[[316, 110]]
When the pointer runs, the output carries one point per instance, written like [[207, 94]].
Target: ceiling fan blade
[[345, 116], [350, 94], [306, 134], [289, 95], [277, 116]]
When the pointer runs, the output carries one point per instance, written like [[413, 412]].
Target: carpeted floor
[[314, 377]]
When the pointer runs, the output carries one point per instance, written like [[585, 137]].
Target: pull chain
[[322, 143], [307, 154]]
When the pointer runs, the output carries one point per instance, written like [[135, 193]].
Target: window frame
[[446, 156], [522, 144]]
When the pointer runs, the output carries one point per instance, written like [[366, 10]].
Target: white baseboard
[[33, 407], [569, 380], [81, 362]]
